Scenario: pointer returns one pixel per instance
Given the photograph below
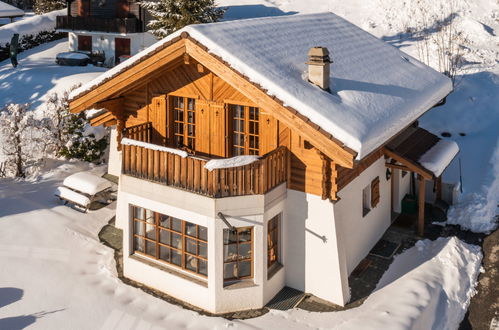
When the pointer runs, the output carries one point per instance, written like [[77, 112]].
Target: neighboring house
[[115, 27], [9, 11], [226, 232]]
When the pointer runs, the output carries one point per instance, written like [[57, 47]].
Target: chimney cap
[[318, 55]]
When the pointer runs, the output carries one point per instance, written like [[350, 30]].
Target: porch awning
[[422, 152]]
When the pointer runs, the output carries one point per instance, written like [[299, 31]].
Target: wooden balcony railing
[[141, 132], [148, 163], [101, 24]]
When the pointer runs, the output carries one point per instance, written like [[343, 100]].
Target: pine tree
[[45, 6], [172, 15]]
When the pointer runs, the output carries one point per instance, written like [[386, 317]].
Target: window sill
[[169, 270], [274, 269], [239, 284]]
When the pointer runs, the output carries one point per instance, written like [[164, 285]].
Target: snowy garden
[[56, 273]]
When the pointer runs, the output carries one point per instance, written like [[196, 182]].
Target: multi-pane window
[[238, 253], [245, 130], [170, 240], [184, 122], [273, 240]]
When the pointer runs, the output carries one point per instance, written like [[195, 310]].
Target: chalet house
[[115, 27], [264, 153]]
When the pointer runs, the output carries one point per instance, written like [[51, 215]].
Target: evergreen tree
[[45, 6], [172, 15]]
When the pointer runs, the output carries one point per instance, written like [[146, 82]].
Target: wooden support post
[[421, 201], [439, 187], [120, 127]]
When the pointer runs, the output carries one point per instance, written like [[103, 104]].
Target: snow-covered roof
[[7, 10], [439, 156], [376, 89]]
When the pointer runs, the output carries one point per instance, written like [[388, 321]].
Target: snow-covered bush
[[23, 139], [70, 134], [171, 15]]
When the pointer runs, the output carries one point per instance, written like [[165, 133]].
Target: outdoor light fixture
[[388, 174]]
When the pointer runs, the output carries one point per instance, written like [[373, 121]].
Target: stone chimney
[[318, 67]]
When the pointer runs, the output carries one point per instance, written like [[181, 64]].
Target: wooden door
[[83, 8], [121, 48], [158, 118], [122, 9], [85, 43]]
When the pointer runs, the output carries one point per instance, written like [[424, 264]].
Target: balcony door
[[245, 130]]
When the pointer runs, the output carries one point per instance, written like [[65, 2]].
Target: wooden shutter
[[158, 120], [219, 130], [375, 192], [268, 133], [202, 120]]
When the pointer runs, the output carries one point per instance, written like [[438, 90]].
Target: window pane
[[150, 231], [176, 258], [230, 270], [190, 117], [164, 221], [203, 250], [138, 213], [244, 268], [181, 102], [139, 244], [203, 267], [190, 229], [164, 237], [230, 252], [177, 241], [151, 248], [245, 251], [138, 228], [253, 113], [190, 104], [230, 236], [149, 216], [191, 263], [245, 235], [190, 245], [164, 253], [177, 224], [203, 233]]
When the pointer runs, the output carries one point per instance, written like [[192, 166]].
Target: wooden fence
[[189, 173]]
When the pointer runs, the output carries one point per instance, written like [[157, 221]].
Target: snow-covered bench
[[82, 188]]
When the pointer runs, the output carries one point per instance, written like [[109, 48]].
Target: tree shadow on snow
[[253, 11], [9, 296]]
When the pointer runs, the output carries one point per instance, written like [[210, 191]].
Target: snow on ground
[[37, 75], [60, 276], [31, 24]]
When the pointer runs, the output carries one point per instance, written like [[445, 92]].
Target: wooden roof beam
[[410, 165]]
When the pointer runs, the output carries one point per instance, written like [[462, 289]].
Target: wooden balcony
[[189, 173], [101, 24]]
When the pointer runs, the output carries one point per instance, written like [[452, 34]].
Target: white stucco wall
[[359, 234], [114, 159], [105, 41], [243, 211], [315, 260], [401, 187]]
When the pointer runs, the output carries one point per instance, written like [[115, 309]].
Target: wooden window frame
[[184, 237], [274, 240], [375, 192], [247, 150], [237, 261], [184, 122]]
